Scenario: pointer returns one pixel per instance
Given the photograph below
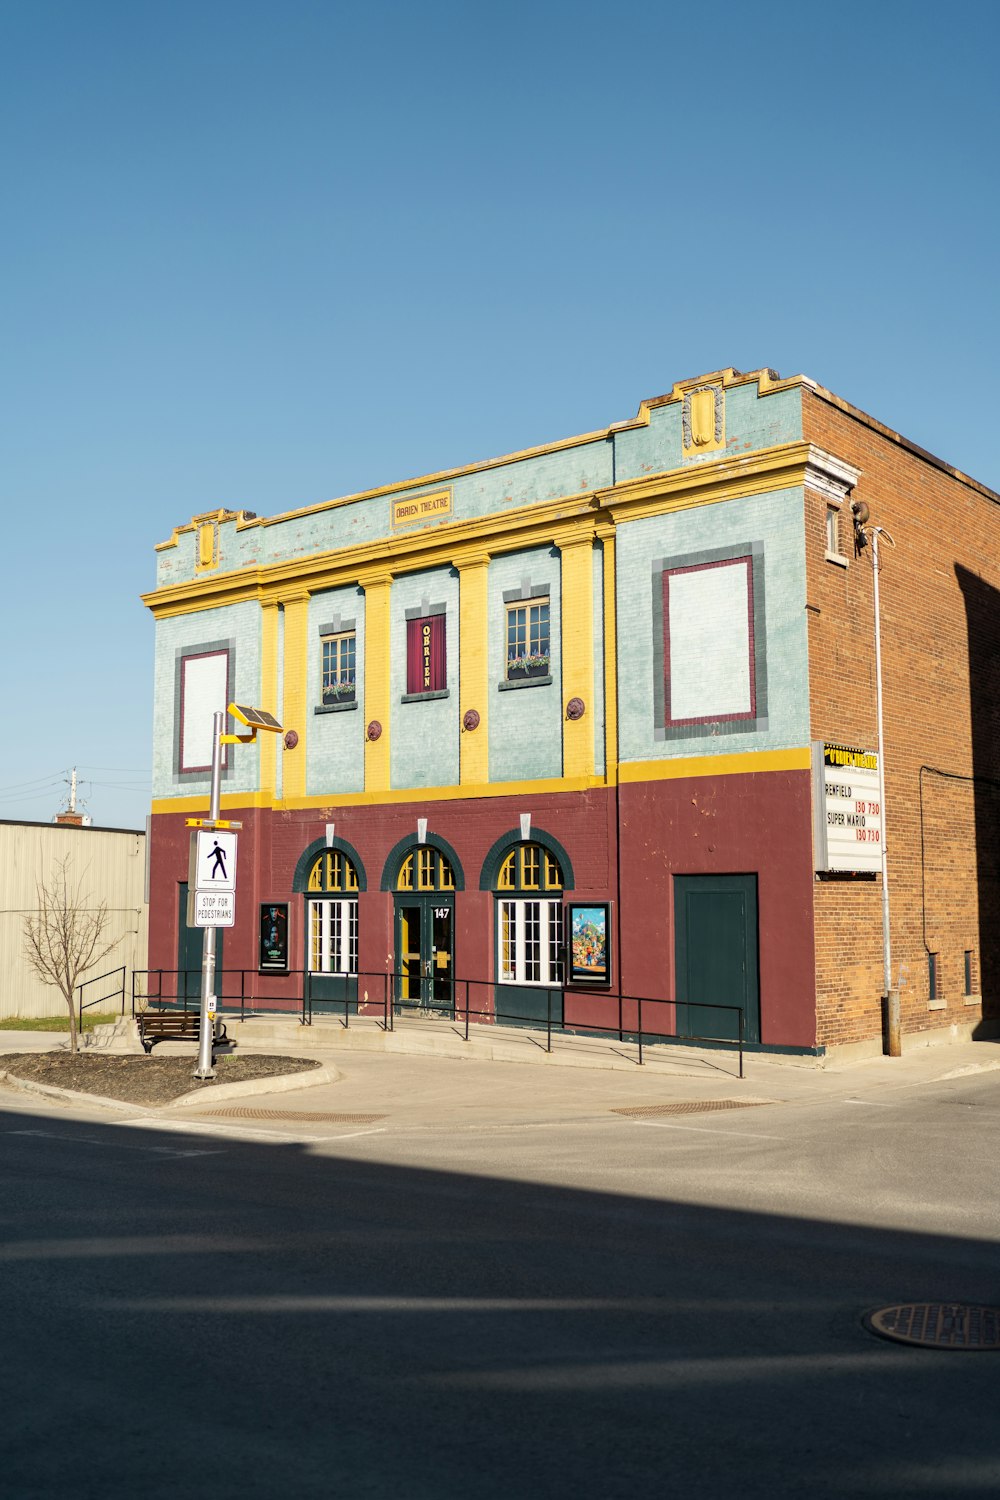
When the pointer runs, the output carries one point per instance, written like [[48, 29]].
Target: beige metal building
[[109, 865]]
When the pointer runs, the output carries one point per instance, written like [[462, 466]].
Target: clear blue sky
[[259, 254]]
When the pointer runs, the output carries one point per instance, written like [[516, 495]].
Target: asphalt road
[[530, 1302]]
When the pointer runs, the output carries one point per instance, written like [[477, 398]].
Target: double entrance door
[[425, 953]]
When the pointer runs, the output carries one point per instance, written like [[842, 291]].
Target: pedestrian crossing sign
[[215, 860]]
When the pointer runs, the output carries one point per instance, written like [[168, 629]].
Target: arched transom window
[[529, 925], [425, 869], [529, 867], [332, 871], [332, 891]]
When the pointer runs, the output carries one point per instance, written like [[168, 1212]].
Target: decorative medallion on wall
[[703, 420], [470, 720], [291, 739], [374, 730], [575, 708]]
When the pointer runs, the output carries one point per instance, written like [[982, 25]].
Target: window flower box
[[521, 667], [338, 692]]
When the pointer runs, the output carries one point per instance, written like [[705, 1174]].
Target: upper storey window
[[339, 667], [528, 645]]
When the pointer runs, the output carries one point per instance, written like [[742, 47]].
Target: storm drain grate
[[687, 1107], [249, 1112], [938, 1325]]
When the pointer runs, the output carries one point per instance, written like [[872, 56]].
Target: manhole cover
[[249, 1112], [938, 1325], [687, 1107]]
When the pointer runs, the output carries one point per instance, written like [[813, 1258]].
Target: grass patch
[[54, 1023]]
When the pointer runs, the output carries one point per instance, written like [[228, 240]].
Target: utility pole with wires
[[70, 816]]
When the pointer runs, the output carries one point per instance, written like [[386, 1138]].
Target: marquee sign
[[847, 809]]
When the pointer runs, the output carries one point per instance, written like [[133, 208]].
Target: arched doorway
[[331, 935], [424, 926], [530, 956]]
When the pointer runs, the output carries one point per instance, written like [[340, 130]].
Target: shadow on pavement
[[186, 1314]]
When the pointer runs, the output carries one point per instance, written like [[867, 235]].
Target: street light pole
[[205, 1070], [892, 1040]]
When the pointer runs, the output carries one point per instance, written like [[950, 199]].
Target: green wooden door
[[425, 953], [715, 926]]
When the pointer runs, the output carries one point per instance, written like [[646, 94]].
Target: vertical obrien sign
[[846, 809]]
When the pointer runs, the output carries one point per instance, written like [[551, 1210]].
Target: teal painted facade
[[525, 723], [775, 523], [236, 625], [626, 452]]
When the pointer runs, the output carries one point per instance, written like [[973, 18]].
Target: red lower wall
[[734, 824]]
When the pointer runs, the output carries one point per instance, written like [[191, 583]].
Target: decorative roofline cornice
[[566, 521]]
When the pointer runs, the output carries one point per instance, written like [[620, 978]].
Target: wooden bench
[[172, 1026]]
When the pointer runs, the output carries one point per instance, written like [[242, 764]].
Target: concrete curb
[[278, 1084], [71, 1096]]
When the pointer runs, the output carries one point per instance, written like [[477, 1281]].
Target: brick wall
[[940, 604]]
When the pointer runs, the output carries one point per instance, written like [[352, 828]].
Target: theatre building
[[598, 720]]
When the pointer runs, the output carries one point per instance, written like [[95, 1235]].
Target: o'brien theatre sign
[[846, 807], [421, 510]]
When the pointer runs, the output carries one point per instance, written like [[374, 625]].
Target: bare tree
[[64, 937]]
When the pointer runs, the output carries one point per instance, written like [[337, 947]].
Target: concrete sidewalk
[[427, 1086], [425, 1074]]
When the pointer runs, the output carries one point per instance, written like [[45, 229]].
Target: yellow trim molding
[[294, 707], [377, 697], [767, 381], [570, 518], [474, 675], [270, 743], [745, 763], [610, 653], [577, 636]]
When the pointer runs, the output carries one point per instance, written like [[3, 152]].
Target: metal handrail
[[387, 998], [625, 1032], [118, 992]]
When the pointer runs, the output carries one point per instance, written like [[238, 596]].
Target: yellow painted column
[[578, 654], [474, 668], [269, 743], [610, 660], [378, 623], [294, 706]]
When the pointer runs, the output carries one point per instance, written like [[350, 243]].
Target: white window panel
[[709, 640], [204, 683], [333, 937], [529, 938]]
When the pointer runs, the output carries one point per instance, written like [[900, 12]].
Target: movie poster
[[274, 939], [588, 942]]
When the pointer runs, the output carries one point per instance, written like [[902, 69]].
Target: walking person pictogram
[[218, 855]]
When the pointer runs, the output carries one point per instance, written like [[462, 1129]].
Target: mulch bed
[[141, 1080]]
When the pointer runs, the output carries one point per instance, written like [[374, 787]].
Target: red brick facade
[[941, 677]]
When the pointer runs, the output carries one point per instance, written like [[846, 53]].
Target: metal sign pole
[[892, 1029], [204, 1069]]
